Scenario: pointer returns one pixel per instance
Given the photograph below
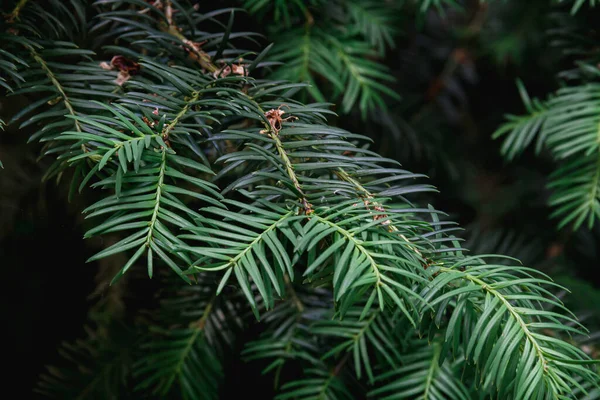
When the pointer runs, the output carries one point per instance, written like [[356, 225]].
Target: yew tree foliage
[[566, 126], [213, 179]]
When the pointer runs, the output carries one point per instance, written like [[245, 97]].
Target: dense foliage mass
[[215, 170]]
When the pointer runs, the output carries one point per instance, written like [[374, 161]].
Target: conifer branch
[[302, 196], [514, 313]]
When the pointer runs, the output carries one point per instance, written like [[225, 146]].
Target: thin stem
[[199, 327], [294, 295], [165, 135], [168, 128], [56, 84], [343, 175], [200, 56], [161, 178], [310, 20], [14, 15], [290, 170], [338, 367], [207, 310]]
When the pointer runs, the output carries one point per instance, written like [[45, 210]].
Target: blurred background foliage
[[429, 81]]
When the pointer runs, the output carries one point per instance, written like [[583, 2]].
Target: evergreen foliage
[[566, 125], [334, 45], [249, 209]]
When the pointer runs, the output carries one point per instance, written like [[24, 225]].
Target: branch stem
[[343, 175], [161, 178], [37, 57], [294, 295], [290, 170], [198, 55], [14, 15], [168, 128]]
